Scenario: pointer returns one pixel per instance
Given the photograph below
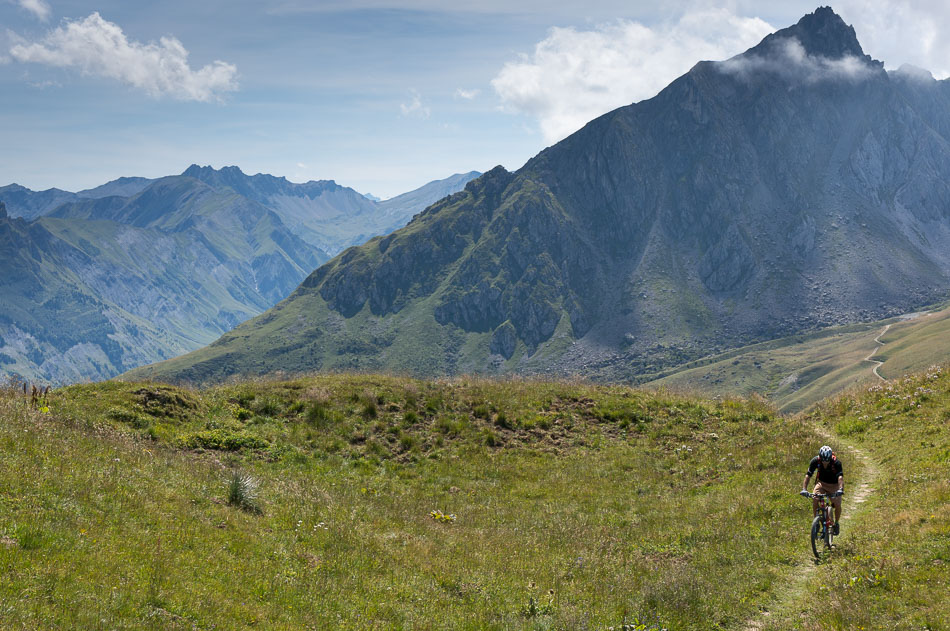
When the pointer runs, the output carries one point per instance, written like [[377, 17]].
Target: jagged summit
[[821, 34], [234, 177]]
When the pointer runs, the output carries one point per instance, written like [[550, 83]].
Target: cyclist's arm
[[805, 482], [841, 483]]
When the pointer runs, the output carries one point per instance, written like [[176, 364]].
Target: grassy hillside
[[894, 573], [797, 372], [388, 503]]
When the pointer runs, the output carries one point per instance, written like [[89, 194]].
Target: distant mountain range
[[794, 186], [139, 270]]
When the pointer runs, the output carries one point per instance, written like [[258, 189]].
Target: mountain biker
[[830, 481]]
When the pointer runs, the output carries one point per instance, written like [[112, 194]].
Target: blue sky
[[380, 96]]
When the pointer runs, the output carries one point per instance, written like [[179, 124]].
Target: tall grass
[[593, 507]]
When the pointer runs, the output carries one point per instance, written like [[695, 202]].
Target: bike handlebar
[[820, 495]]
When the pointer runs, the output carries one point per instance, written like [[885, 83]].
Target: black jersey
[[829, 474]]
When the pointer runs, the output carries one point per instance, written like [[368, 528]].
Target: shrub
[[30, 538], [502, 421], [408, 442], [266, 407], [126, 416], [242, 492], [434, 403], [369, 407], [222, 440], [850, 425], [533, 608], [318, 413]]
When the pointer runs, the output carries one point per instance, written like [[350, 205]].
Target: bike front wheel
[[829, 531], [816, 536]]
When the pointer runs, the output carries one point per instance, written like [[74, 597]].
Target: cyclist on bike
[[830, 481]]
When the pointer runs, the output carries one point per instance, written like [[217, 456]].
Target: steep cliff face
[[794, 186]]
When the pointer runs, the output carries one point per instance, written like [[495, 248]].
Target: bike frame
[[825, 512], [826, 509]]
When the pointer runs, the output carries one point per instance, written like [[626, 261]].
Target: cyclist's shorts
[[828, 489]]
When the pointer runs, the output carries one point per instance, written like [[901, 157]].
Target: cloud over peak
[[99, 48], [790, 60], [574, 76]]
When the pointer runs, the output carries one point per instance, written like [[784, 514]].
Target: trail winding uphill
[[877, 364], [786, 596]]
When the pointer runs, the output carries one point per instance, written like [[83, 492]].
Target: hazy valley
[[141, 270]]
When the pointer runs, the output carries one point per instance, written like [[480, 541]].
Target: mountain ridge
[[750, 199], [169, 268]]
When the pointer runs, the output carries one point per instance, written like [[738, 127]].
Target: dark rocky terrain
[[795, 186]]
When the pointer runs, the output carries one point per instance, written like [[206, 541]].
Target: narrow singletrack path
[[797, 582], [877, 364]]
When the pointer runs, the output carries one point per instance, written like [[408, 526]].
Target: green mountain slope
[[750, 199], [798, 371]]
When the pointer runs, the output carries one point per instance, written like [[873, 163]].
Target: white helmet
[[825, 453]]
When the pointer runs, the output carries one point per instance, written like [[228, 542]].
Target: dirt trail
[[853, 499], [877, 364]]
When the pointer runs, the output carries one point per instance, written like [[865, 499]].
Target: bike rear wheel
[[816, 536]]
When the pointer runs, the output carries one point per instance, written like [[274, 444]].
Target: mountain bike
[[822, 527]]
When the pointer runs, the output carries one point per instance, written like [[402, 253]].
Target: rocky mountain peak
[[825, 34], [3, 211], [821, 34]]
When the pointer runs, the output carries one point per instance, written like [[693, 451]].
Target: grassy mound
[[387, 503]]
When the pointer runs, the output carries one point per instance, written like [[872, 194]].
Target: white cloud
[[903, 31], [42, 85], [99, 47], [301, 165], [38, 8], [415, 107], [795, 64], [468, 95], [574, 76]]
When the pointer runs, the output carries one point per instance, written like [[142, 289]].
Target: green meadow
[[388, 503]]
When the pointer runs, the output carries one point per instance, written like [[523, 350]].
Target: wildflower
[[441, 517]]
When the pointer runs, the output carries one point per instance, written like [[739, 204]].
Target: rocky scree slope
[[794, 186]]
